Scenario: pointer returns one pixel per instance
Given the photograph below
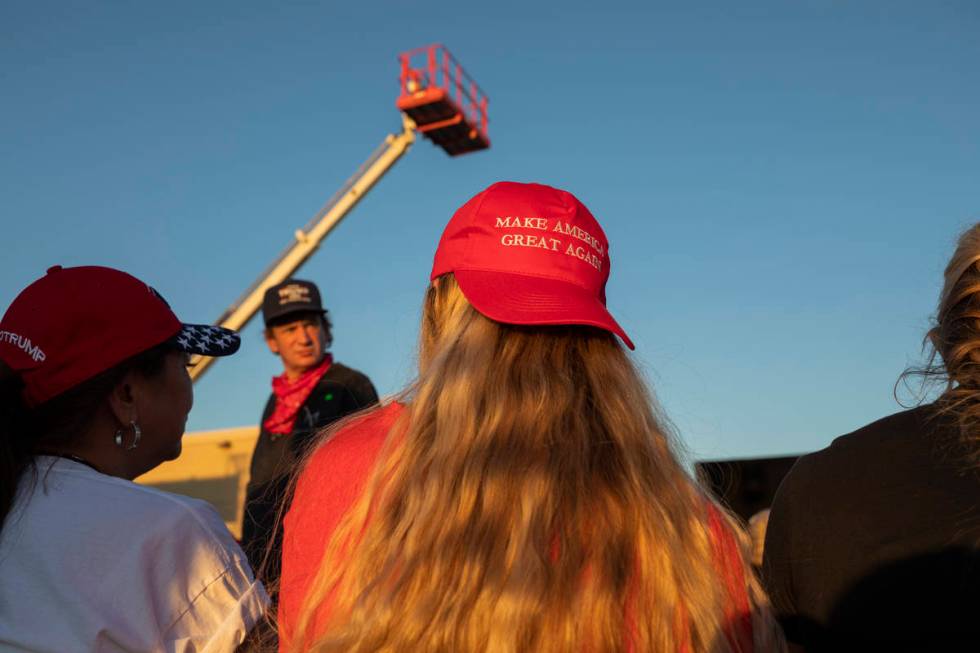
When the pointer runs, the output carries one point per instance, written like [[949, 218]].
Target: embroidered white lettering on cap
[[527, 223], [23, 342], [510, 248], [294, 293]]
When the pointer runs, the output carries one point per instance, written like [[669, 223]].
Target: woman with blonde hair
[[524, 494], [874, 542]]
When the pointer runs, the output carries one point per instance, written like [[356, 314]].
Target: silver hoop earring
[[137, 434]]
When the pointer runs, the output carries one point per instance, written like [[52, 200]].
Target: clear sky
[[781, 182]]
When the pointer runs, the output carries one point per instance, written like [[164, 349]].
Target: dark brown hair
[[57, 422]]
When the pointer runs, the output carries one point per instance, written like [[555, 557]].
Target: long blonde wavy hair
[[954, 339], [530, 501]]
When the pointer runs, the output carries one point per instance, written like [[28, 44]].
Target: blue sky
[[781, 183]]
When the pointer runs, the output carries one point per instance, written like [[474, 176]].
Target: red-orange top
[[336, 476]]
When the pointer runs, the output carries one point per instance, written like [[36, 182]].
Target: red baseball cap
[[529, 254], [74, 323]]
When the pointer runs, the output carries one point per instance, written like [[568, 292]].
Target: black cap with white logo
[[291, 296]]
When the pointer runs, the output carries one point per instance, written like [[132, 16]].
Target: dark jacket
[[873, 543], [339, 393]]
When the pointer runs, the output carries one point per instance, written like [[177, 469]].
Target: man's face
[[300, 343]]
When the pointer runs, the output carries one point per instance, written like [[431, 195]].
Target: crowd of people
[[524, 493]]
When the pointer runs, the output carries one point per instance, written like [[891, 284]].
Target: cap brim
[[206, 340], [519, 299]]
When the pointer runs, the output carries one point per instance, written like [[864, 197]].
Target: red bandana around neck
[[290, 395]]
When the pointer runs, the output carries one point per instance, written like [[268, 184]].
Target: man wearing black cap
[[312, 392]]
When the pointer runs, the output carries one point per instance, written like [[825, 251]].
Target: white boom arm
[[310, 237]]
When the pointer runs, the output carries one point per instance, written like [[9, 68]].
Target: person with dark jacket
[[312, 392], [874, 542]]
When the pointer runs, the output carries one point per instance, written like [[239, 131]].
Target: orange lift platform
[[445, 103]]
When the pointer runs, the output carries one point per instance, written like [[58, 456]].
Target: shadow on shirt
[[928, 603]]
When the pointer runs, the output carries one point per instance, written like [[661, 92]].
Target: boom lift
[[437, 99]]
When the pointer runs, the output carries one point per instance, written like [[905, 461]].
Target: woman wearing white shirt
[[94, 391]]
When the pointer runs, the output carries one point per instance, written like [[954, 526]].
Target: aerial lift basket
[[444, 102]]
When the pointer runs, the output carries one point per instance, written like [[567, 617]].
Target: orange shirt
[[336, 476], [328, 487]]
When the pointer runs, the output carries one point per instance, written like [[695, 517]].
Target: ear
[[122, 400], [271, 342]]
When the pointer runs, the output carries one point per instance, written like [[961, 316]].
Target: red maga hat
[[529, 254], [74, 323]]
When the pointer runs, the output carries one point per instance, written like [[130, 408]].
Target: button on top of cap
[[54, 268]]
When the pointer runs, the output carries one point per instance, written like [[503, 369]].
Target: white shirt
[[90, 562]]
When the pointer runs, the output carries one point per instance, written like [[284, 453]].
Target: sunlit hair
[[954, 340], [530, 501]]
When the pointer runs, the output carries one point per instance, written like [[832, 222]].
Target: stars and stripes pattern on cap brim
[[207, 340]]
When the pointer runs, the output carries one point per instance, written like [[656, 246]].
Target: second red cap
[[74, 323]]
